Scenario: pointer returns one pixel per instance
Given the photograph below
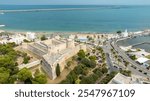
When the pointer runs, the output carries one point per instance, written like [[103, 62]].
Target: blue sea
[[87, 18]]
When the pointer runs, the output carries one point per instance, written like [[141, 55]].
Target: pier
[[140, 44]]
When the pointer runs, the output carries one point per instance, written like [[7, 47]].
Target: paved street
[[126, 58], [110, 64]]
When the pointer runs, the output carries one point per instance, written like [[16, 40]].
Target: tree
[[12, 78], [79, 69], [69, 63], [119, 32], [4, 75], [40, 79], [43, 37], [26, 59], [93, 51], [58, 70], [71, 78], [126, 63], [92, 64], [138, 49], [24, 74], [100, 49], [104, 70], [108, 77], [116, 57], [77, 81], [93, 58], [85, 71], [91, 79], [88, 63], [126, 72], [85, 61], [133, 57], [98, 72], [81, 54], [90, 38], [8, 63], [119, 60], [37, 72], [99, 42], [104, 65], [103, 54]]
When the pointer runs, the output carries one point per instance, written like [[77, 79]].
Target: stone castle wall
[[64, 57]]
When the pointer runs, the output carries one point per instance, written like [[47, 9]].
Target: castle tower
[[70, 43]]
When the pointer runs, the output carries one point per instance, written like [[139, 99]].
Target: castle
[[55, 51]]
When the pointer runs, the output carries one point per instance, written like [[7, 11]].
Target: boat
[[2, 25]]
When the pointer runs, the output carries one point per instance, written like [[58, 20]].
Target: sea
[[75, 18]]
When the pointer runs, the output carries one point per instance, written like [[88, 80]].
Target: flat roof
[[142, 60], [120, 79], [53, 58]]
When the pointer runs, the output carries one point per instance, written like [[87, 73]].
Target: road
[[126, 58], [107, 49], [110, 64]]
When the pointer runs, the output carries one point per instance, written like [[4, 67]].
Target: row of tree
[[82, 73], [9, 72], [8, 64], [25, 76]]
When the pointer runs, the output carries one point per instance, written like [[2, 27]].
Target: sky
[[76, 2]]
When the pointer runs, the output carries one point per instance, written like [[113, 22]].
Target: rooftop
[[134, 79], [142, 60], [120, 79], [53, 58]]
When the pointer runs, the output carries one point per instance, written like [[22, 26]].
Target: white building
[[134, 79], [72, 37], [125, 33], [17, 39], [30, 36], [143, 61]]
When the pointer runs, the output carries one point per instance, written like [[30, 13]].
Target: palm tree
[[112, 50], [114, 53], [104, 65], [98, 37], [116, 56], [99, 42], [126, 63], [119, 60]]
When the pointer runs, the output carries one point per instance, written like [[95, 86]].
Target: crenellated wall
[[62, 60]]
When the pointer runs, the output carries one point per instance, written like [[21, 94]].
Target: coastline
[[75, 32], [54, 32], [127, 43]]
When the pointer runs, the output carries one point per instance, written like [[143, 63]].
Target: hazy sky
[[76, 2]]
